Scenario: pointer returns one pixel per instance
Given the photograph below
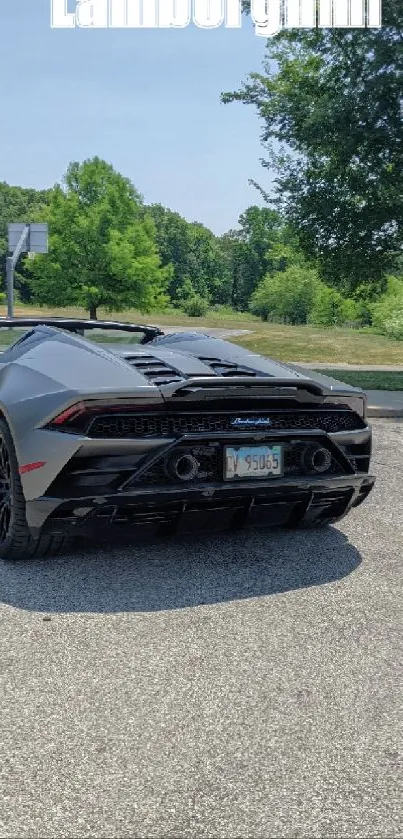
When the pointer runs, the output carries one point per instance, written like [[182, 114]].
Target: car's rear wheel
[[16, 541]]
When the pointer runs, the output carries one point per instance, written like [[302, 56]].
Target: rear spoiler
[[208, 387], [299, 390], [77, 325]]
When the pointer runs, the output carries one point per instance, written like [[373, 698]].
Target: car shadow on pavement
[[179, 573]]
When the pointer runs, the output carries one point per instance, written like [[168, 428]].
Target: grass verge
[[367, 379], [306, 344]]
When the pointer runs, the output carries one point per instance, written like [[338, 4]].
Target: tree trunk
[[93, 313]]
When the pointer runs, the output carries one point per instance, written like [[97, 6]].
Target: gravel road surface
[[238, 685]]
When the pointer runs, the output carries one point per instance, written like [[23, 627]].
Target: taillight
[[77, 417], [74, 412], [356, 403]]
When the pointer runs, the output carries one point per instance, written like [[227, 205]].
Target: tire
[[16, 541]]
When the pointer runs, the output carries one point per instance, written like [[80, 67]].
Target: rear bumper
[[288, 502]]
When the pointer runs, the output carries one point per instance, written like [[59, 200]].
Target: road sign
[[22, 238], [36, 240]]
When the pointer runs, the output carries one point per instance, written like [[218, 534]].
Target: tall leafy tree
[[244, 268], [198, 264], [173, 241], [102, 244], [207, 265], [330, 102], [260, 245], [260, 228]]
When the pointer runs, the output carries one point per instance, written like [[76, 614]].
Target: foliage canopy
[[102, 249], [330, 102]]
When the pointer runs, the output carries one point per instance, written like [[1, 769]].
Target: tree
[[260, 228], [263, 244], [331, 105], [207, 265], [102, 249], [172, 237], [244, 268], [198, 263]]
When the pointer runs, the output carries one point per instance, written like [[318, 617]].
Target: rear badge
[[250, 422]]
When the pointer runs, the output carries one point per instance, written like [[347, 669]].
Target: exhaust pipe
[[182, 466], [315, 459]]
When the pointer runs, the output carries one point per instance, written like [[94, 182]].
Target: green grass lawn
[[367, 379], [310, 344], [307, 344]]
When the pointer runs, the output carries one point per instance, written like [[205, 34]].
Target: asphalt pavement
[[380, 403], [385, 403], [237, 685]]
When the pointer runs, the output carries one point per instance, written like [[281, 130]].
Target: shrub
[[196, 306], [393, 326], [387, 312], [353, 312], [330, 308], [286, 296]]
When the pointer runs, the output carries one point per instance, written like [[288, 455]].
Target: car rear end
[[210, 454]]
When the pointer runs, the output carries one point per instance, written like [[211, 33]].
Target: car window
[[10, 336], [113, 336]]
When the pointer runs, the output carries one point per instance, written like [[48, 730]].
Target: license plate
[[253, 462]]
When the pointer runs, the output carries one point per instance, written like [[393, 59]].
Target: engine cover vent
[[157, 372], [227, 368]]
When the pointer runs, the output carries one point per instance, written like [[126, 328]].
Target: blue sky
[[145, 100]]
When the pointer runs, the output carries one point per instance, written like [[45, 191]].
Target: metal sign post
[[22, 238]]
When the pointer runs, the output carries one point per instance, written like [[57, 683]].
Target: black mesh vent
[[171, 425], [157, 372], [226, 368]]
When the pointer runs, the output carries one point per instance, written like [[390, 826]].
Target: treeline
[[109, 249], [208, 270], [96, 217]]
